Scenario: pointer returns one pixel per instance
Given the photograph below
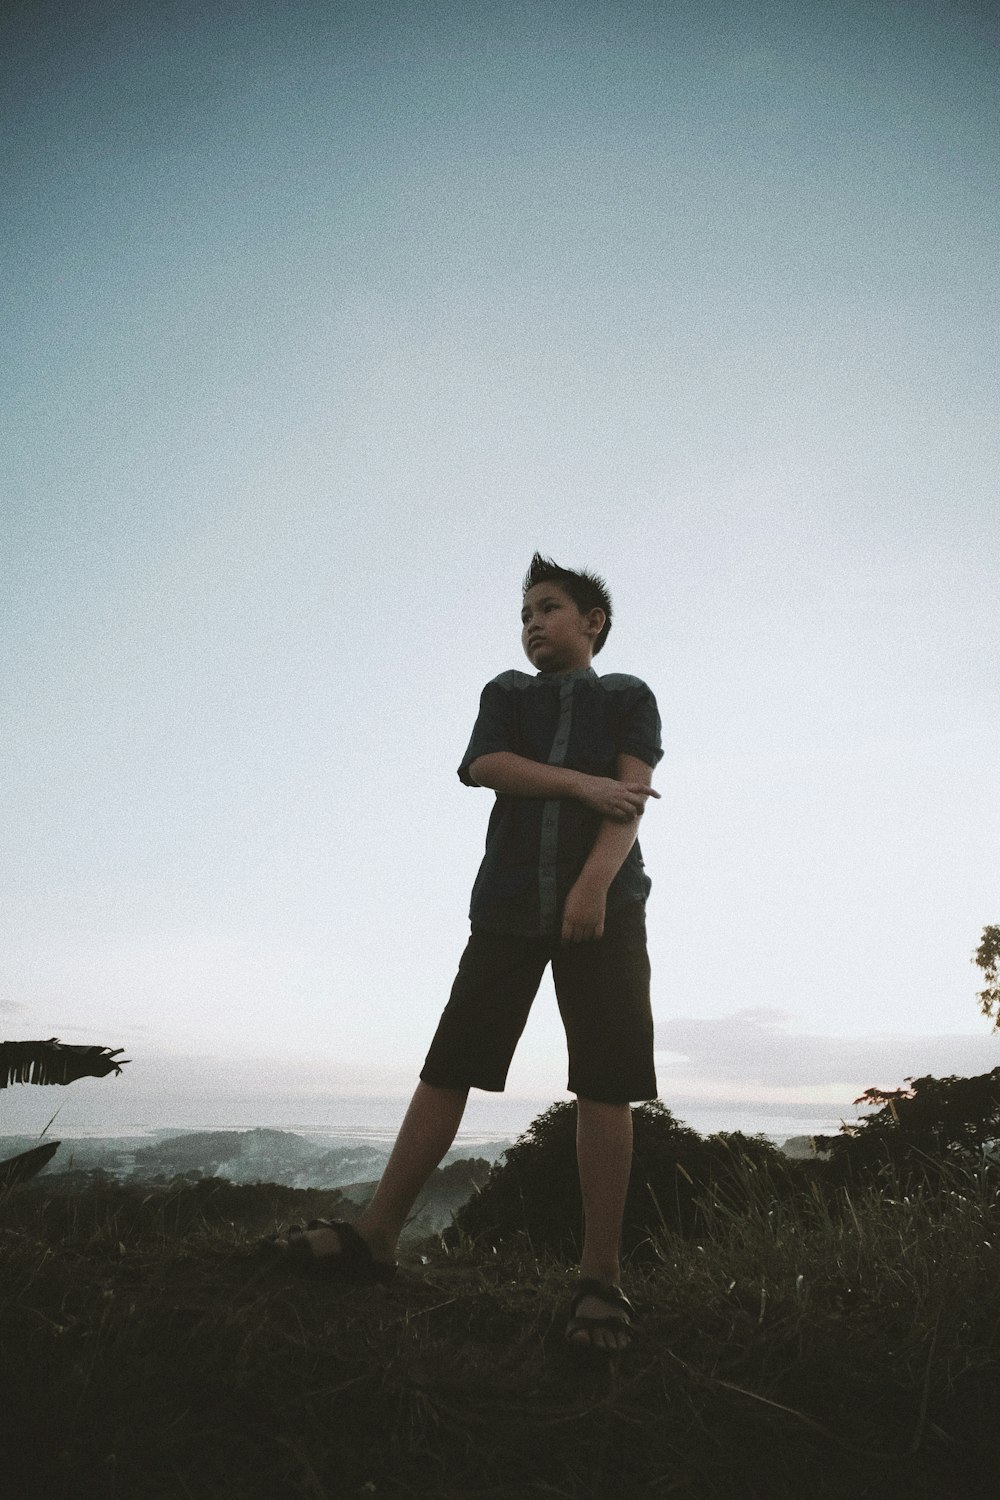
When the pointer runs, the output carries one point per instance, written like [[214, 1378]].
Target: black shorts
[[603, 992]]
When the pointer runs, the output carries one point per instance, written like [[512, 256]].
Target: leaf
[[55, 1062], [27, 1164], [987, 956]]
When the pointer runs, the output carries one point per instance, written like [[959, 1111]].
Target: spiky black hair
[[587, 590]]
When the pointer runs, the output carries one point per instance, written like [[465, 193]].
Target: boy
[[570, 757]]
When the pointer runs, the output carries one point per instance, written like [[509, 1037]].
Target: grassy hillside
[[148, 1352]]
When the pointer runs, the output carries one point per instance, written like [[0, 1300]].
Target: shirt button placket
[[548, 894]]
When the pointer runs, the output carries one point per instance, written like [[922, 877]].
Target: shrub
[[534, 1192]]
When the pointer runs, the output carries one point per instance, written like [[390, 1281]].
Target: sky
[[319, 319]]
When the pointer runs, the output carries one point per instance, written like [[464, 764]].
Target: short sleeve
[[495, 728], [639, 729]]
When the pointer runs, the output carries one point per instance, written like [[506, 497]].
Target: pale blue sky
[[319, 319]]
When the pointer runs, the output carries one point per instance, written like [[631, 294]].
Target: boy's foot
[[600, 1318], [332, 1251]]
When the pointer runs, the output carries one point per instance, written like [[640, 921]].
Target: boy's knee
[[600, 1106]]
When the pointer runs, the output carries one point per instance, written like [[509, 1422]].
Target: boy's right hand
[[619, 800]]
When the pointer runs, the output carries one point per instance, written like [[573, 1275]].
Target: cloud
[[756, 1054]]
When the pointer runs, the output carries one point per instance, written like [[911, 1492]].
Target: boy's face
[[555, 633]]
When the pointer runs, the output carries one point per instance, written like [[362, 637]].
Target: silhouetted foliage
[[83, 1203], [50, 1062], [534, 1190], [987, 956], [916, 1132], [27, 1164], [55, 1062]]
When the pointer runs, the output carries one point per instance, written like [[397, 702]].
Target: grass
[[806, 1350]]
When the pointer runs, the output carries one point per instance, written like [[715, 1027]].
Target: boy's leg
[[427, 1131], [603, 993], [604, 1159], [497, 980]]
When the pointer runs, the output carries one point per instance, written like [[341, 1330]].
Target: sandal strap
[[353, 1262], [589, 1286], [356, 1258], [589, 1325]]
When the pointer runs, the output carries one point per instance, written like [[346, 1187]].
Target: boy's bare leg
[[427, 1131], [604, 1158]]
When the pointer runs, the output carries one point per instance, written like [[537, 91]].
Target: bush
[[534, 1191]]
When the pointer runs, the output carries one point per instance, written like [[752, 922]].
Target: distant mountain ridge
[[260, 1155], [241, 1156]]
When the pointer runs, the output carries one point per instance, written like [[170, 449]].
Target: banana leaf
[[20, 1168], [55, 1062]]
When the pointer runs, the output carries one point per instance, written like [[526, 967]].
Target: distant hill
[[258, 1156], [240, 1156], [246, 1157], [801, 1148]]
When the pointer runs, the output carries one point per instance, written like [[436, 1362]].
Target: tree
[[987, 956], [50, 1062], [934, 1123]]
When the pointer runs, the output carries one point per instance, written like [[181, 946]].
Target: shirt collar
[[569, 676]]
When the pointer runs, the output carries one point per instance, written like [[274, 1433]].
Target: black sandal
[[354, 1261], [613, 1295]]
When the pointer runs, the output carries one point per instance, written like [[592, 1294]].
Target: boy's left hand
[[583, 914]]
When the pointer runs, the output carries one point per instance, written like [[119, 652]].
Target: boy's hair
[[587, 590]]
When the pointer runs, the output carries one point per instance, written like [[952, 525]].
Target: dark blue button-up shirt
[[536, 847]]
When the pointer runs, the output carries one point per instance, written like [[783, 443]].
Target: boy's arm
[[583, 912], [620, 798]]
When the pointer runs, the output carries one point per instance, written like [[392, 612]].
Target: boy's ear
[[595, 620]]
